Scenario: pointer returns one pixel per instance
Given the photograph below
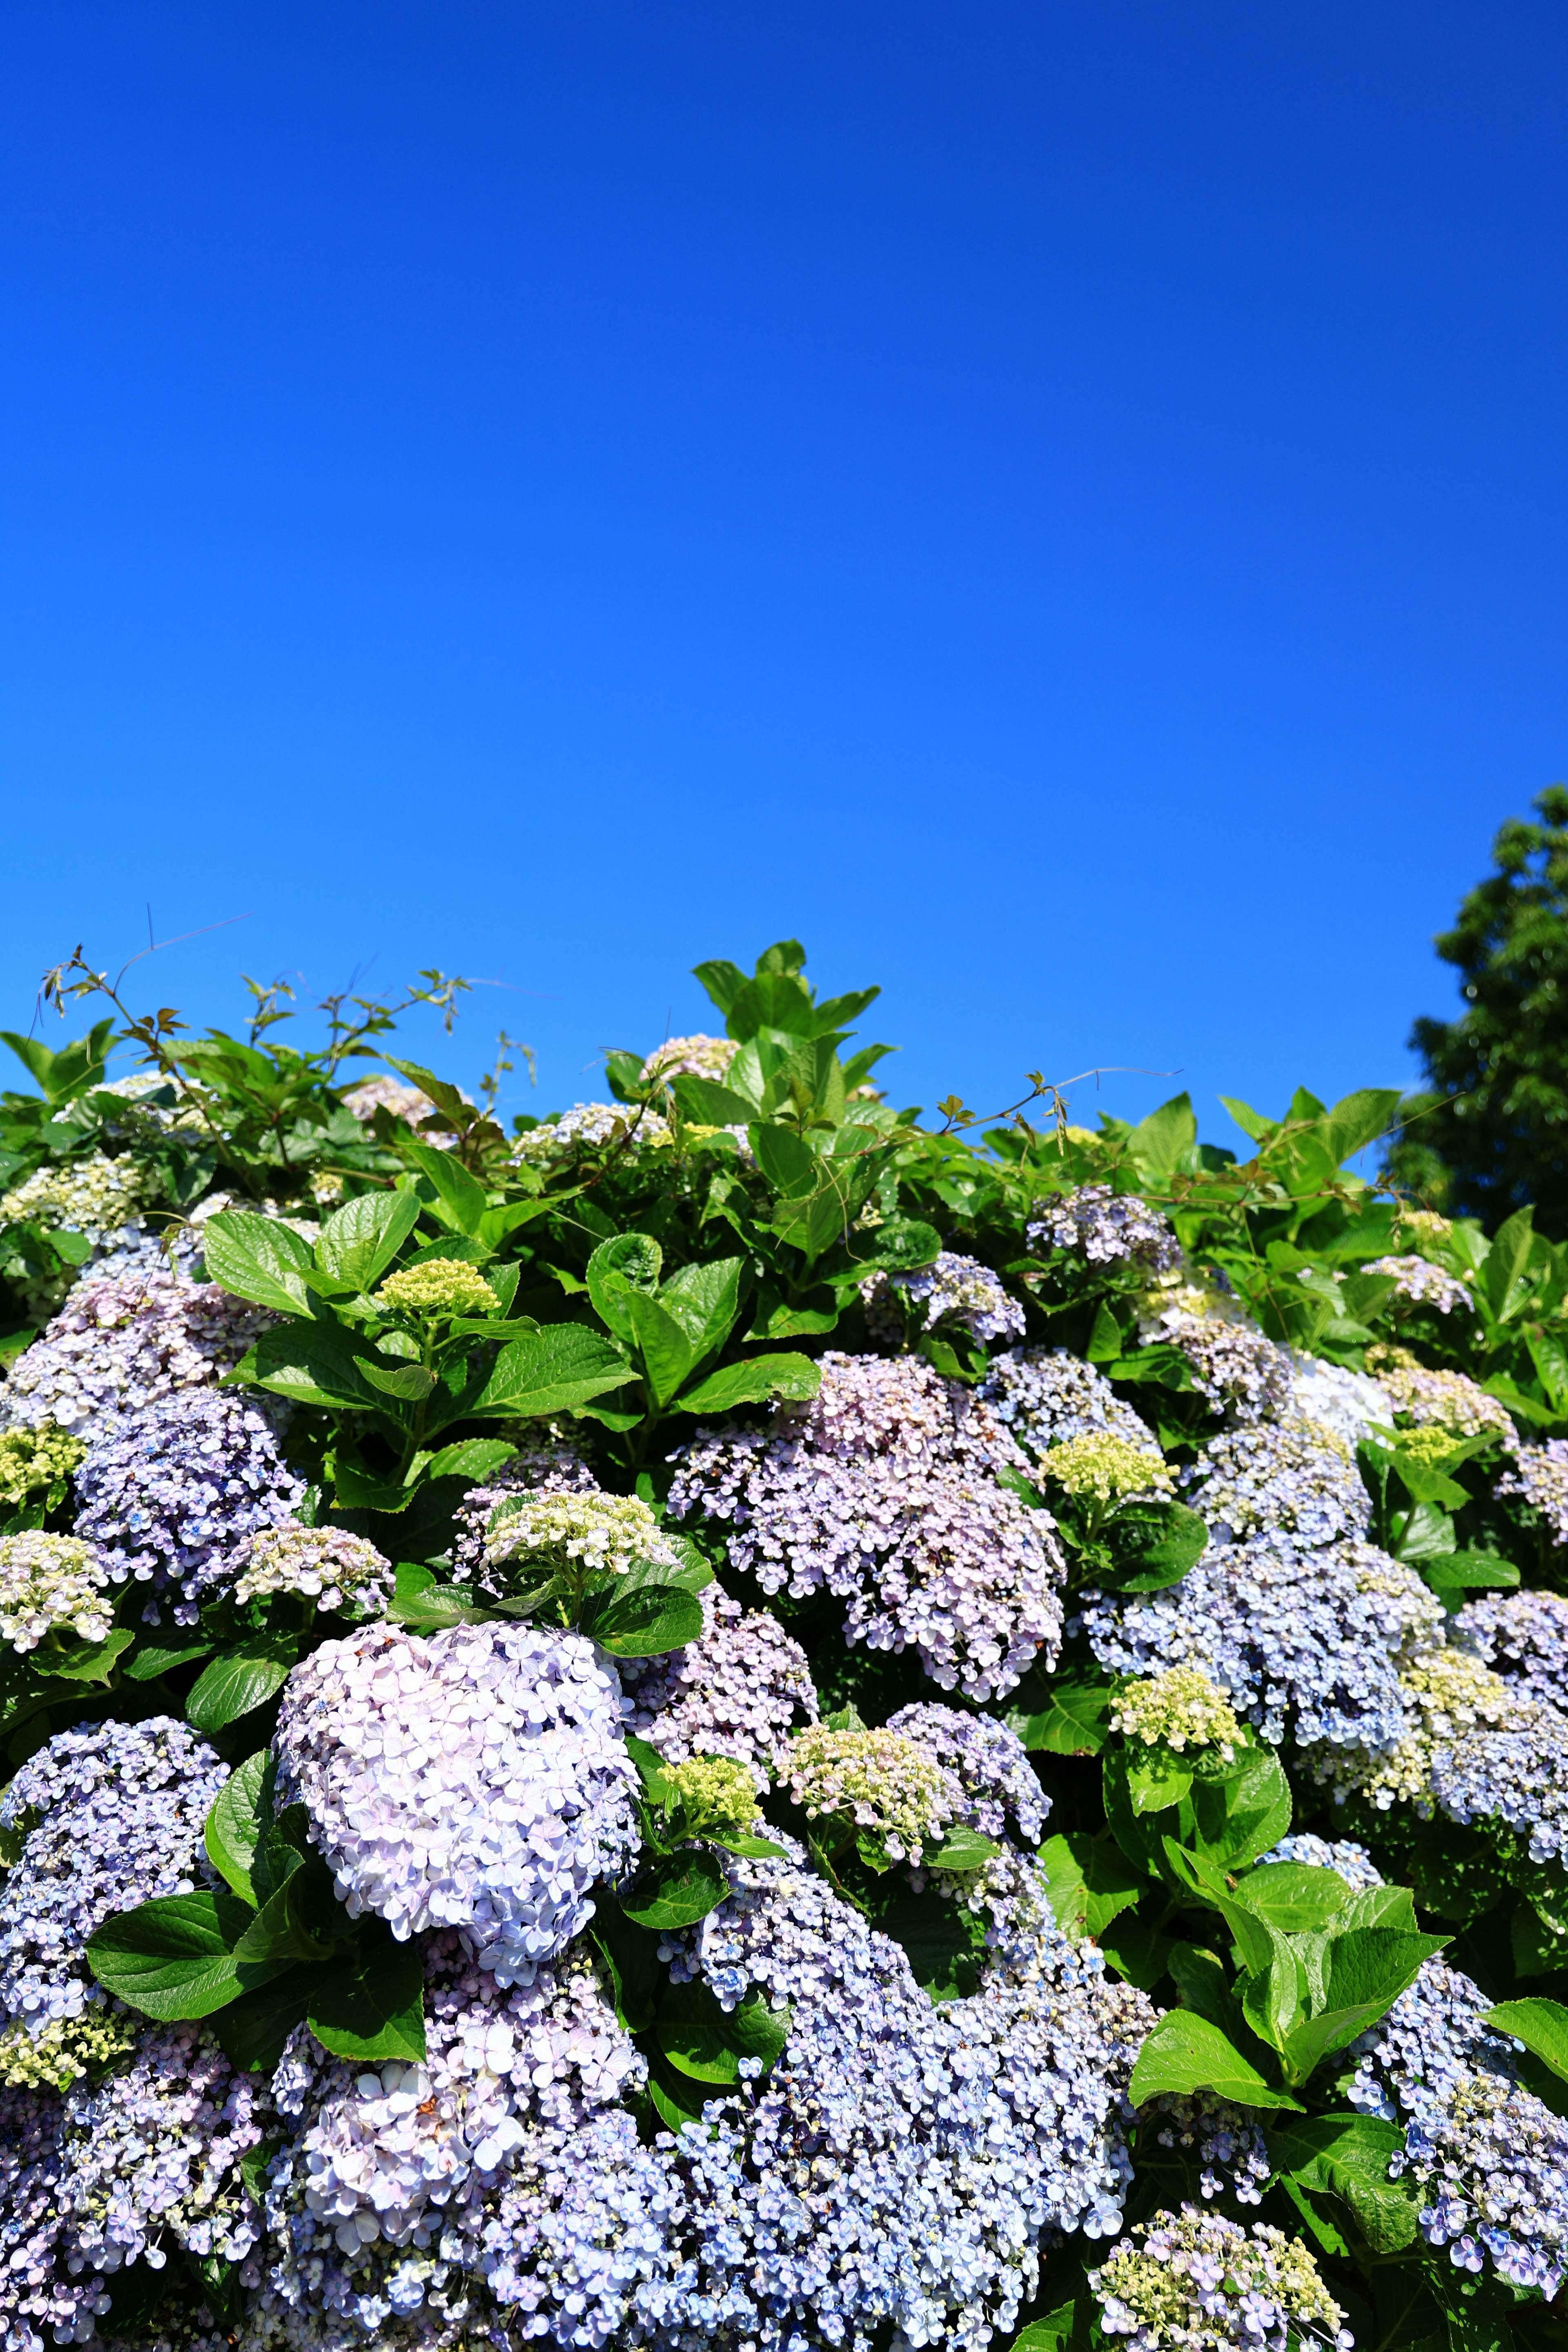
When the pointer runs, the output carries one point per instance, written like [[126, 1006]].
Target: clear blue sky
[[1061, 505]]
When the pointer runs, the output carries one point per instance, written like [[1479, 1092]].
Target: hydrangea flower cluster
[[1306, 1643], [1240, 1371], [325, 1565], [1292, 1480], [476, 1780], [443, 1287], [698, 1057], [878, 1779], [1524, 1636], [601, 1532], [1106, 1468], [1447, 1400], [170, 1493], [1352, 1862], [60, 2053], [739, 1690], [592, 1123], [47, 1581], [719, 1795], [123, 1342], [32, 1460], [1424, 1284], [92, 1195], [552, 1468], [882, 1491], [951, 1289], [1493, 2160], [1351, 1404], [1178, 1710], [1002, 1796], [1541, 1475], [1196, 2280], [1043, 1396], [384, 1093], [1106, 1228], [113, 1815]]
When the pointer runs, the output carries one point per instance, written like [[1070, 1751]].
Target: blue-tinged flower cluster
[[1105, 1228], [1492, 2160], [990, 1764], [1292, 1480], [883, 1491], [1421, 1283], [476, 1780], [1352, 1862], [170, 1492], [555, 1468], [951, 1289], [1196, 2280], [1043, 1396], [1220, 2139], [1523, 1636], [1307, 1645], [124, 1340], [739, 1691], [113, 1815], [1540, 1477]]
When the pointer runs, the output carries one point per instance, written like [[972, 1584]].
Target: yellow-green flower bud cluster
[[878, 1779], [602, 1531], [1105, 1467], [1447, 1399], [1447, 1693], [720, 1795], [326, 1565], [33, 1460], [64, 2050], [1178, 1710], [50, 1580], [1195, 2282], [87, 1196], [1429, 1444], [442, 1286]]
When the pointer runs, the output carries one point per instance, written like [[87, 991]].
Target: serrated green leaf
[[1186, 2053]]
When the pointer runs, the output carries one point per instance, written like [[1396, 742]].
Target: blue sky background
[[1062, 506]]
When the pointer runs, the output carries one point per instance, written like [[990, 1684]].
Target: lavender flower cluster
[[1105, 1228], [1043, 1397], [123, 1342], [951, 1289], [1539, 1475], [1421, 1283], [1492, 2160], [738, 1690], [170, 1493], [476, 1779]]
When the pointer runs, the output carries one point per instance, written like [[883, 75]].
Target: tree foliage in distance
[[1493, 1133]]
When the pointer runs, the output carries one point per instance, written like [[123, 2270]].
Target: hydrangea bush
[[744, 1718]]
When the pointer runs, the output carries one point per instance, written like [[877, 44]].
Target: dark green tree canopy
[[1493, 1133]]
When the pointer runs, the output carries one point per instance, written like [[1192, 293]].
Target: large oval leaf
[[174, 1958], [239, 1679], [676, 1890]]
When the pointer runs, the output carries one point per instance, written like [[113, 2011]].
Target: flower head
[[49, 1581], [34, 1460], [1421, 1283], [951, 1289], [596, 1531], [701, 1058], [326, 1565], [1178, 1710], [878, 1779], [1194, 2282], [441, 1286], [1107, 1228], [719, 1794], [1106, 1468]]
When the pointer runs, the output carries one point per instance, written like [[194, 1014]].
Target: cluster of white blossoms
[[47, 1581]]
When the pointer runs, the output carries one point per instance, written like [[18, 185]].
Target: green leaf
[[253, 2030], [631, 1955], [709, 1104], [1469, 1571], [461, 1200], [1069, 2323], [258, 1258], [412, 1384], [1541, 2025], [234, 1822], [241, 1679], [1348, 2156], [550, 1371], [707, 2043], [1186, 2053], [1158, 1147], [309, 1363], [1251, 1122], [961, 1850], [942, 1942], [157, 1659], [643, 1623], [360, 1240], [1154, 1544], [1235, 1819], [1152, 1784], [705, 1301], [1359, 1119], [1090, 1881], [667, 1352], [793, 1378], [373, 2008], [1293, 1895], [84, 1662], [1505, 1278], [475, 1460], [174, 1958], [675, 1890], [786, 1159], [1066, 1716], [677, 2099], [446, 1098], [897, 1245], [1367, 1969]]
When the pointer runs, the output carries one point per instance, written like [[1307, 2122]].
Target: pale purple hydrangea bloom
[[738, 1690], [326, 1566], [1422, 1284], [171, 1493], [1308, 1646], [951, 1289], [990, 1763], [1284, 1479], [1107, 1228], [119, 1809], [1514, 1771], [882, 1491], [1523, 1636], [123, 1342], [1236, 1368], [476, 1779], [1540, 1476], [1222, 2140], [1199, 2280], [1492, 2159], [1351, 1404], [1042, 1396], [41, 2304]]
